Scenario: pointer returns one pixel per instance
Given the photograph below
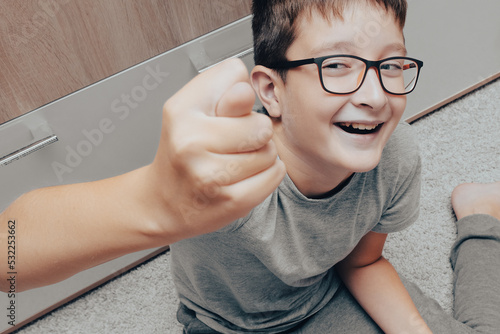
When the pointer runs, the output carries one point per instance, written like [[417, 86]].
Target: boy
[[282, 268], [250, 252], [347, 185]]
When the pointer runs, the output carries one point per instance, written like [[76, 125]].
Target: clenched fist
[[216, 159]]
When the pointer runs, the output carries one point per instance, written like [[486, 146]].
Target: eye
[[338, 66], [391, 66], [335, 65]]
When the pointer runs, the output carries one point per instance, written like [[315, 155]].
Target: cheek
[[398, 105], [307, 105]]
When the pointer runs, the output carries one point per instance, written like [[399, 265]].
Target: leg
[[342, 315], [435, 317], [191, 324], [476, 261], [475, 256]]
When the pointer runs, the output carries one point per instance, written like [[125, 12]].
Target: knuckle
[[169, 107], [264, 129], [184, 148], [184, 154], [235, 204], [170, 119], [259, 134], [207, 188], [208, 176], [237, 67], [201, 177], [271, 150]]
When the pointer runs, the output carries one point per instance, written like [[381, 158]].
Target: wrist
[[155, 216]]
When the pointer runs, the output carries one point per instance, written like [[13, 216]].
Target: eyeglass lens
[[344, 74]]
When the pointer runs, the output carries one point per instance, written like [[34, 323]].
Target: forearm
[[215, 162], [63, 230], [379, 290]]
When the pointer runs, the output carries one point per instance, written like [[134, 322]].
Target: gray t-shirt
[[272, 269]]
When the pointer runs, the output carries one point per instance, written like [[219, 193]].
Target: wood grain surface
[[50, 48]]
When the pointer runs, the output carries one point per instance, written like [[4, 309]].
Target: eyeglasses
[[344, 74]]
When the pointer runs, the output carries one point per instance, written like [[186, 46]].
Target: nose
[[370, 94]]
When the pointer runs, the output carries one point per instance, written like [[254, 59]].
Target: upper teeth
[[360, 126]]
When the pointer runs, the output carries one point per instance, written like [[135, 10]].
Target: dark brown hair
[[274, 23]]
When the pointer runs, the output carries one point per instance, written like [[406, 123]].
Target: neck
[[319, 185], [312, 178]]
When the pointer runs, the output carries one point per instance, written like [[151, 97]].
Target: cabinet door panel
[[50, 48]]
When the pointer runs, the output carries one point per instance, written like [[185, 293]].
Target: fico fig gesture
[[216, 159], [215, 162]]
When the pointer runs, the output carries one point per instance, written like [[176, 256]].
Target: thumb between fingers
[[237, 101]]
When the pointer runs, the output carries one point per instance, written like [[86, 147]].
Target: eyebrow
[[349, 46], [397, 47], [342, 47]]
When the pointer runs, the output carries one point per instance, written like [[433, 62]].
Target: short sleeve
[[403, 204]]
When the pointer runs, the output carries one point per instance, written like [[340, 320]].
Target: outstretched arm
[[375, 284], [60, 231], [215, 162]]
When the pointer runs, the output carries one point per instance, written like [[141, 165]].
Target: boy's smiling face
[[311, 135]]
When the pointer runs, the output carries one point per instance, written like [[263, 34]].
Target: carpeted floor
[[459, 143]]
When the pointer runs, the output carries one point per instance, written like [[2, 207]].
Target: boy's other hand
[[216, 159]]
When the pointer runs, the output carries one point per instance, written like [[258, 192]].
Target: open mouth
[[358, 128]]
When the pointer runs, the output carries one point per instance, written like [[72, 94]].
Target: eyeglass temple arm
[[410, 83], [408, 66], [293, 63]]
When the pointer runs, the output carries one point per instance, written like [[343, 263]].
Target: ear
[[267, 84]]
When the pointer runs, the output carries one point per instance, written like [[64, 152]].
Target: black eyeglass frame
[[289, 64]]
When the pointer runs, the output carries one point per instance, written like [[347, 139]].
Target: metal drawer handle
[[22, 152]]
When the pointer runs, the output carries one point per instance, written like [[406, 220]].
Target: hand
[[216, 159]]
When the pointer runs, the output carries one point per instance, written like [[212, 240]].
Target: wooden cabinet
[[50, 48]]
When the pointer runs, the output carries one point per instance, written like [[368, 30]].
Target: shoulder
[[403, 141], [402, 153], [397, 177], [397, 181]]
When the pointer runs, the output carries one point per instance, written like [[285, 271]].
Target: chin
[[362, 163]]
